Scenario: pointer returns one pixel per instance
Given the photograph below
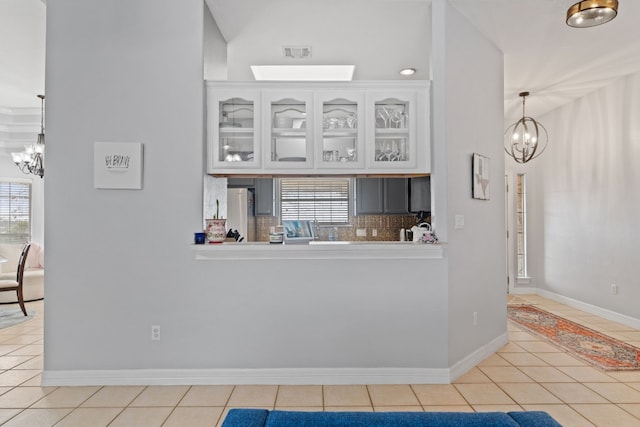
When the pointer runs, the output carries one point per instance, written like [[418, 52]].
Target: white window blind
[[325, 200], [15, 212]]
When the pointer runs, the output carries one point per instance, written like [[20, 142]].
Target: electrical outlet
[[374, 232], [475, 318], [614, 289], [155, 332]]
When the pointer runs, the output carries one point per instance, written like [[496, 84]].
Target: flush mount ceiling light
[[523, 138], [303, 72], [589, 13], [407, 71]]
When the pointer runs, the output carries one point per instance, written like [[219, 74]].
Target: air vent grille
[[296, 52]]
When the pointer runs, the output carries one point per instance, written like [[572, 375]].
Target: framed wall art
[[481, 173], [117, 165]]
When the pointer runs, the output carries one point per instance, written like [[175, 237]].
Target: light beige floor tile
[[300, 408], [632, 408], [27, 350], [523, 359], [540, 347], [483, 394], [626, 376], [252, 395], [9, 349], [496, 408], [3, 390], [160, 396], [574, 393], [6, 414], [8, 362], [23, 397], [586, 374], [494, 360], [448, 408], [632, 336], [194, 417], [512, 347], [398, 409], [522, 336], [37, 418], [438, 394], [207, 395], [634, 385], [504, 374], [528, 393], [142, 417], [113, 397], [615, 392], [389, 395], [348, 408], [607, 415], [346, 395], [560, 359], [36, 362], [473, 376], [33, 382], [66, 397], [94, 417], [542, 374], [15, 377], [299, 395], [563, 414]]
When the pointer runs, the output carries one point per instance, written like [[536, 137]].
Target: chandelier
[[522, 139], [31, 160], [589, 13]]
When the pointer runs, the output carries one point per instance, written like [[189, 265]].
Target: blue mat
[[265, 418]]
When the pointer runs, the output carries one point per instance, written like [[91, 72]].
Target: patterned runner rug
[[600, 350]]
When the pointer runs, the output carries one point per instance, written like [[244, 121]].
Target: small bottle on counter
[[403, 235]]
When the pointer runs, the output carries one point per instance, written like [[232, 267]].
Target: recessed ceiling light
[[408, 71], [303, 72]]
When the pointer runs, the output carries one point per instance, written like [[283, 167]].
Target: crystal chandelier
[[31, 160], [522, 139]]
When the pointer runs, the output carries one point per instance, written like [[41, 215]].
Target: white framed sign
[[117, 165]]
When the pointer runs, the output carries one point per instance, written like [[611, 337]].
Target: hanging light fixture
[[523, 138], [589, 13], [31, 160]]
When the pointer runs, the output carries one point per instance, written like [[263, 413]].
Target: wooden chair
[[16, 285]]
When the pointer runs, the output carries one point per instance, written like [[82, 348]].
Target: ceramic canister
[[216, 230]]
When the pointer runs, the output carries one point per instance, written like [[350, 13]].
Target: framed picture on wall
[[481, 173], [117, 165]]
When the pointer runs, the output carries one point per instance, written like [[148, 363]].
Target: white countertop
[[318, 250]]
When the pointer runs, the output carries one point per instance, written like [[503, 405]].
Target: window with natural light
[[521, 221], [324, 200], [15, 211]]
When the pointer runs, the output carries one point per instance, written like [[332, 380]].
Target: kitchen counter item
[[420, 231]]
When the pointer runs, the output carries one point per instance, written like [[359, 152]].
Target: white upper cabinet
[[318, 128]]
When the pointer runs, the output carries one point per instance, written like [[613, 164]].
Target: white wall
[[215, 49], [468, 118], [586, 192]]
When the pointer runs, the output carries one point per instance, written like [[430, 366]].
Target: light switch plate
[[361, 232], [459, 225]]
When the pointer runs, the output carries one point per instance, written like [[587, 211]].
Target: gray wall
[[468, 116], [585, 203]]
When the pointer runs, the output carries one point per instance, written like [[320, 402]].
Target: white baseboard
[[324, 376], [246, 376], [589, 308], [523, 290]]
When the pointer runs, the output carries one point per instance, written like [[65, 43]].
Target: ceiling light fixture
[[31, 160], [589, 13], [303, 72], [407, 71], [522, 139]]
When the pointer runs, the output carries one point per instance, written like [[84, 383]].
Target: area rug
[[599, 350], [14, 316]]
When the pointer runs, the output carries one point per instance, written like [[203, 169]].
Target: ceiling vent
[[296, 52]]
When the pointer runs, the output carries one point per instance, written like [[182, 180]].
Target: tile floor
[[526, 374]]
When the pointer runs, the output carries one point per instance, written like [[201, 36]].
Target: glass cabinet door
[[340, 130], [234, 127], [290, 130], [393, 119]]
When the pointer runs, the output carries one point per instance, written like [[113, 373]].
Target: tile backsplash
[[387, 228]]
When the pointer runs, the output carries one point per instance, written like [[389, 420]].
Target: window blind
[[325, 200], [15, 212]]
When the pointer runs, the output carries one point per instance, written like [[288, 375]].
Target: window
[[325, 200], [521, 221], [15, 211]]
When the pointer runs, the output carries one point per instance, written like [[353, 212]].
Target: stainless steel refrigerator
[[241, 213]]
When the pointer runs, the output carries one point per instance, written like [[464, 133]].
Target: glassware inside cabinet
[[392, 132], [339, 131], [236, 121], [289, 131]]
